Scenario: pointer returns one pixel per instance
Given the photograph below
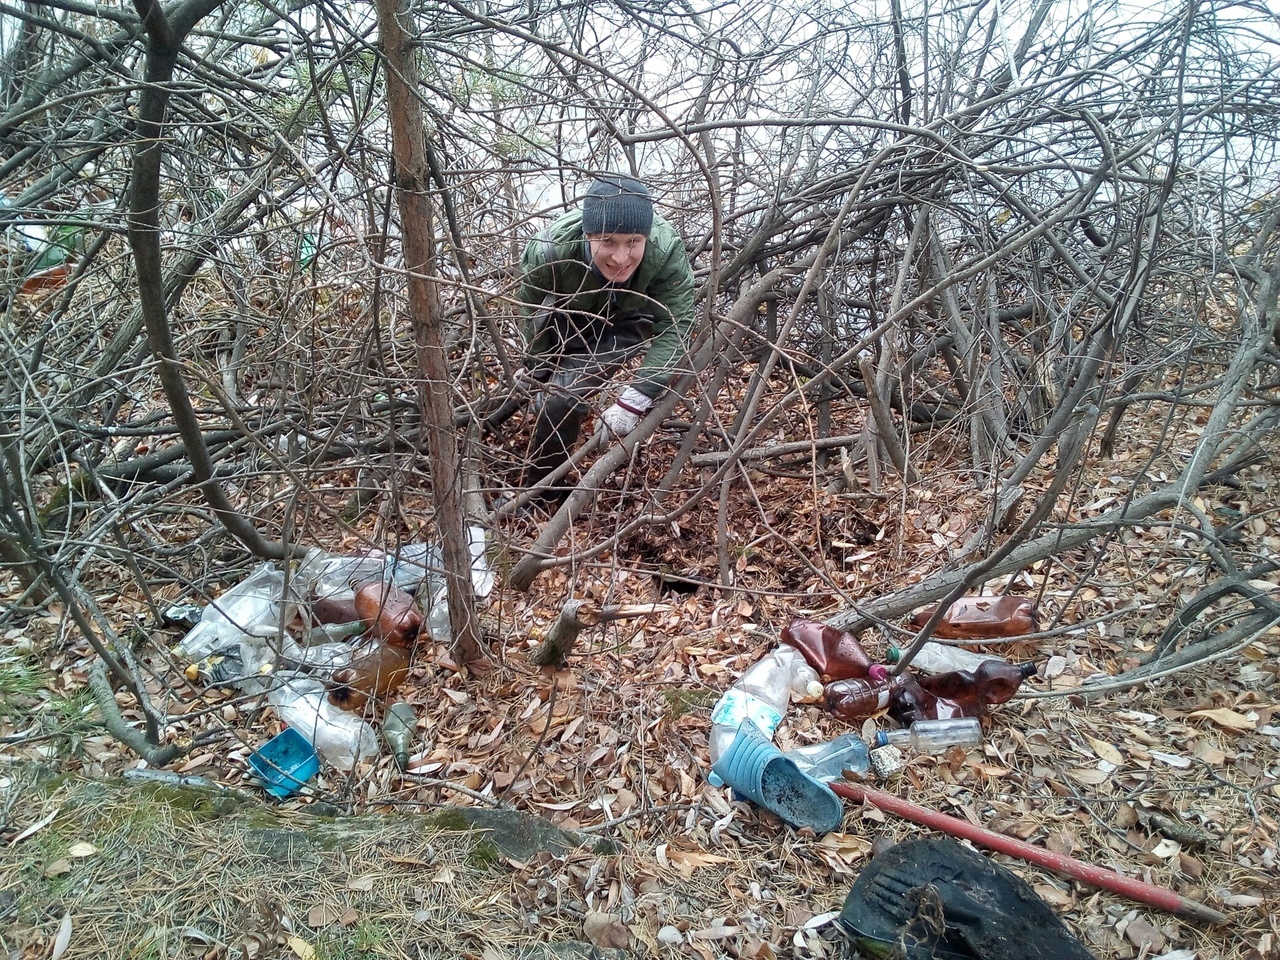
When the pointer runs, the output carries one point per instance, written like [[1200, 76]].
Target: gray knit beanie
[[617, 204]]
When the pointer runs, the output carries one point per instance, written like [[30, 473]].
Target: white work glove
[[621, 418]]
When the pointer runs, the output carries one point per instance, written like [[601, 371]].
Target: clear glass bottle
[[934, 736], [829, 761]]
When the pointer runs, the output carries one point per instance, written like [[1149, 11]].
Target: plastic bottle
[[835, 654], [254, 605], [340, 737], [976, 618], [942, 658], [862, 697], [829, 761], [324, 611], [934, 736], [974, 690], [762, 694], [331, 577], [377, 667], [390, 612]]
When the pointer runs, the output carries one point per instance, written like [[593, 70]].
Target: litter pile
[[936, 709], [928, 898], [325, 640]]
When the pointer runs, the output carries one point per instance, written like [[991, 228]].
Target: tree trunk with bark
[[413, 186]]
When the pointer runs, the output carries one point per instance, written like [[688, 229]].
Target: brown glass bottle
[[978, 618], [835, 654], [974, 690]]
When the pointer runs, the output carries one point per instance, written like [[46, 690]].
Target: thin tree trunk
[[166, 30], [413, 173]]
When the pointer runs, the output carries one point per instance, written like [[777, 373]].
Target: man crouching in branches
[[599, 285]]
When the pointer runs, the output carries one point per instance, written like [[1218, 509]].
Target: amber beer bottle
[[973, 691], [978, 618], [835, 654]]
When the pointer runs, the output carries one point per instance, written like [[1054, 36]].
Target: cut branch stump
[[576, 616]]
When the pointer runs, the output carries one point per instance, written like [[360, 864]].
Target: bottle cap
[[893, 655], [878, 673], [887, 738]]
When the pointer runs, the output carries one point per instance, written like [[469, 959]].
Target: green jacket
[[661, 287]]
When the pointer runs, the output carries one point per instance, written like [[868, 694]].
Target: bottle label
[[737, 705]]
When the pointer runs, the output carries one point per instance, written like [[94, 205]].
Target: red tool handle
[[1139, 890]]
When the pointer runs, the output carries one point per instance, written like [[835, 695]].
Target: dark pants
[[590, 351]]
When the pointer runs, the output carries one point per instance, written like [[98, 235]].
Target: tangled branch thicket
[[928, 246]]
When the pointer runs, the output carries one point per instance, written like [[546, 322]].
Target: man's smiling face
[[617, 255]]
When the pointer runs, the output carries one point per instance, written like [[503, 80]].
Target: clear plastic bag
[[328, 575], [326, 656], [415, 564], [482, 575], [435, 609]]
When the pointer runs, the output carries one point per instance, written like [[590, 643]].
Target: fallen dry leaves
[[1175, 782]]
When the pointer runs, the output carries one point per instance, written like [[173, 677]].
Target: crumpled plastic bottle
[[341, 738], [980, 617], [828, 761], [253, 607], [762, 695], [943, 658], [973, 691], [835, 654]]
